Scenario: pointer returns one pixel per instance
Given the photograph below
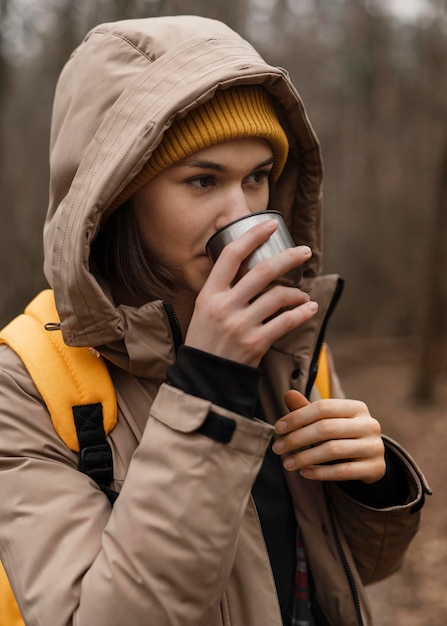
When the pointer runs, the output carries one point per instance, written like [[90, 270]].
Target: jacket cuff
[[225, 383], [415, 480], [391, 490]]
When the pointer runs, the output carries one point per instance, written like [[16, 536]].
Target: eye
[[202, 182], [258, 177]]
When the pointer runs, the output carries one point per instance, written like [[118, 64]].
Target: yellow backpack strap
[[65, 377], [9, 610], [323, 381], [76, 387]]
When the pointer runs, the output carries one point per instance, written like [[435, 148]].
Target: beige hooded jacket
[[183, 544]]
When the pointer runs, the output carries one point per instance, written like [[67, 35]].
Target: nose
[[234, 205]]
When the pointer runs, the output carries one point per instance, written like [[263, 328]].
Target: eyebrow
[[217, 167]]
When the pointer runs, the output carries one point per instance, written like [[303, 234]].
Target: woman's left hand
[[333, 439]]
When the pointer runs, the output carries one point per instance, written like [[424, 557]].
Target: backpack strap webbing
[[74, 383], [95, 458]]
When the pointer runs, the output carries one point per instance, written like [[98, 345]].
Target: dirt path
[[381, 374]]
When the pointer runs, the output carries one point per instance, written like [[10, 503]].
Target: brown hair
[[118, 253]]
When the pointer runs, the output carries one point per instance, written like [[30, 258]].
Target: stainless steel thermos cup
[[277, 242]]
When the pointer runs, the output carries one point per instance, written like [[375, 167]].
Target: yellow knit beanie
[[243, 111]]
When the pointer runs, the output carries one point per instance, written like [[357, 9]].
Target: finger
[[264, 274], [335, 450], [326, 409], [275, 301], [367, 471], [288, 320], [329, 430], [232, 256], [258, 338], [364, 456], [295, 400]]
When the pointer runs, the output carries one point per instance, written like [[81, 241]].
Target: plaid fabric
[[301, 612]]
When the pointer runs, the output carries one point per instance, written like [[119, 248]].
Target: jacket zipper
[[313, 369], [174, 324], [344, 560], [177, 336], [310, 382]]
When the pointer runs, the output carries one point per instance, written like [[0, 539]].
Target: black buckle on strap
[[96, 462]]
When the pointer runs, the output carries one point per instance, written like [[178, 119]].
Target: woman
[[163, 131]]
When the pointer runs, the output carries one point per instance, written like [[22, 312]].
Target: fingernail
[[281, 426], [312, 306], [289, 463], [278, 446], [305, 250], [306, 473], [269, 224]]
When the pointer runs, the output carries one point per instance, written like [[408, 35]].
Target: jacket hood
[[117, 94]]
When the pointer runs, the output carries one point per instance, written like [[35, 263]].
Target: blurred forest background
[[373, 76]]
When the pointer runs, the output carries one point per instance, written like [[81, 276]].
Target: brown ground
[[381, 373]]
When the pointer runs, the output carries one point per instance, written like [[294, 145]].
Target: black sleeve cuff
[[391, 490], [228, 384]]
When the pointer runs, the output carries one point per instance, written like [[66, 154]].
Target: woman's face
[[179, 209]]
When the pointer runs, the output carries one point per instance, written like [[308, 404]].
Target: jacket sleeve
[[379, 537], [163, 555]]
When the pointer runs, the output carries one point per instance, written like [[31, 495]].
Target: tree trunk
[[434, 334]]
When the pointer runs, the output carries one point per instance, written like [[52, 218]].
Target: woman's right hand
[[241, 321]]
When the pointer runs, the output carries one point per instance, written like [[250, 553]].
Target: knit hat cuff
[[234, 113]]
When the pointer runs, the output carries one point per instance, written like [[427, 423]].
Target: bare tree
[[370, 85], [434, 335], [4, 75]]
